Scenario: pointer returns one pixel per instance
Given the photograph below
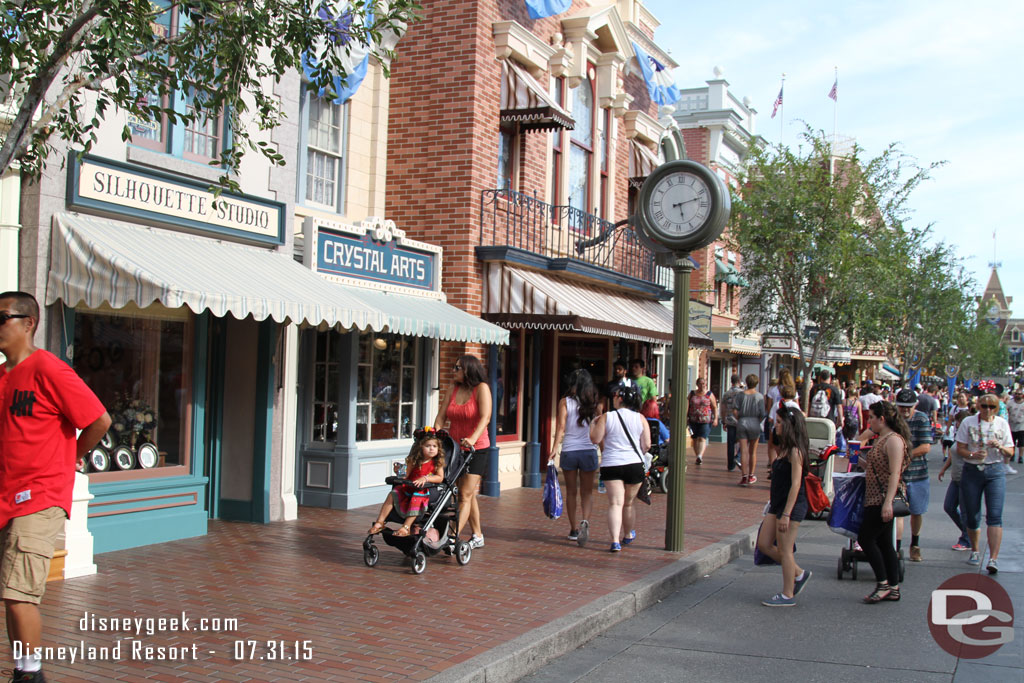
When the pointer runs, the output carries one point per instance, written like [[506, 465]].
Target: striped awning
[[523, 101], [433, 318], [534, 300], [96, 260], [641, 162]]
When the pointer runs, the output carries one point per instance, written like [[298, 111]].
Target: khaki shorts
[[27, 545]]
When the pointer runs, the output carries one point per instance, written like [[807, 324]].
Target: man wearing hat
[[916, 474]]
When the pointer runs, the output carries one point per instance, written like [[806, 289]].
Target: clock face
[[680, 204]]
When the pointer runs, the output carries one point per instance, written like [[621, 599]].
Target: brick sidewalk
[[305, 580]]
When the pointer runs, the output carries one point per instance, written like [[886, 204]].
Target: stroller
[[658, 471], [821, 435], [436, 525]]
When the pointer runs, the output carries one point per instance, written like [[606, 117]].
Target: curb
[[532, 650]]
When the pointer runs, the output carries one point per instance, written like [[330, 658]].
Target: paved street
[[717, 630], [305, 580]]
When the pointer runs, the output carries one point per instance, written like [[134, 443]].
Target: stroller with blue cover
[[434, 530]]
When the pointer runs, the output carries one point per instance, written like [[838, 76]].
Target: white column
[[289, 403], [77, 537]]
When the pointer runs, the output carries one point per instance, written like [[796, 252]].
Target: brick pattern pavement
[[305, 580]]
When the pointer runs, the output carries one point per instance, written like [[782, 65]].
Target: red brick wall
[[443, 137]]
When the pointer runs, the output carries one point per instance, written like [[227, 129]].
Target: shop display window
[[507, 393], [139, 364], [325, 386], [386, 388]]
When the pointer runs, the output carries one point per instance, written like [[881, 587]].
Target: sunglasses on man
[[4, 317], [990, 406]]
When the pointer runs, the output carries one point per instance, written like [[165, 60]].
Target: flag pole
[[782, 106], [835, 108]]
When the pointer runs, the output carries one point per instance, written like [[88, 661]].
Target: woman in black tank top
[[787, 505]]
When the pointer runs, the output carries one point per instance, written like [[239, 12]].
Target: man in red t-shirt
[[42, 404]]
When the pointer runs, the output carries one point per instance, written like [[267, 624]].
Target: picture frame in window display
[[123, 458], [99, 460], [148, 456]]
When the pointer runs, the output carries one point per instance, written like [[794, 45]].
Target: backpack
[[817, 500], [820, 403]]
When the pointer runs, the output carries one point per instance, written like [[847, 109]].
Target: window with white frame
[[581, 146], [386, 387], [325, 142]]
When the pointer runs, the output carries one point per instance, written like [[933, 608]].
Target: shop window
[[203, 139], [140, 367], [507, 392], [325, 387], [386, 392], [324, 140]]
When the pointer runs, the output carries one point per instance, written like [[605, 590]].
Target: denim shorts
[[585, 460], [700, 430], [990, 481], [917, 496]]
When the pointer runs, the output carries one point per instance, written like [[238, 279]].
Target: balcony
[[565, 238]]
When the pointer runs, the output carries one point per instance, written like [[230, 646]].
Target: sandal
[[882, 591], [404, 531], [894, 594], [376, 528]]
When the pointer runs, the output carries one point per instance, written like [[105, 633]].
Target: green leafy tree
[[808, 225], [981, 351], [66, 64]]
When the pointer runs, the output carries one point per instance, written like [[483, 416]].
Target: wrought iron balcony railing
[[516, 219]]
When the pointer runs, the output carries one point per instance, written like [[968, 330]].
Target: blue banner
[[659, 81], [539, 9], [357, 58]]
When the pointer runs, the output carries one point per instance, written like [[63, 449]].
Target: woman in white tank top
[[576, 411], [623, 434]]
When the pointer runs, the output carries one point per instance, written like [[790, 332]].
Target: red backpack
[[817, 501]]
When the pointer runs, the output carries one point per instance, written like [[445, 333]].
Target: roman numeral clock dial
[[683, 206]]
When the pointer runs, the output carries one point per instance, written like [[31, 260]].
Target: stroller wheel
[[663, 481], [839, 570], [854, 570], [901, 568], [370, 555], [463, 552], [419, 562]]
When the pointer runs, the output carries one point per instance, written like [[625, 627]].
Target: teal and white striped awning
[[425, 317], [96, 260]]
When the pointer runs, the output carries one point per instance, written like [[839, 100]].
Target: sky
[[943, 79]]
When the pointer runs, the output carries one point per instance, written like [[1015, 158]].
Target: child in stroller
[[426, 504], [425, 465]]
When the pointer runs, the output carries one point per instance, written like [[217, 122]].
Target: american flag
[[778, 103], [834, 92]]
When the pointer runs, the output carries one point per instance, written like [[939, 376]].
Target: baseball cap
[[906, 397]]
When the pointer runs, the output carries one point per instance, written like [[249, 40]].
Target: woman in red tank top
[[466, 407]]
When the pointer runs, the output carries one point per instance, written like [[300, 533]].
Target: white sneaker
[[1010, 470], [476, 541]]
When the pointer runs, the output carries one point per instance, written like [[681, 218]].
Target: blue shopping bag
[[552, 494], [848, 504]]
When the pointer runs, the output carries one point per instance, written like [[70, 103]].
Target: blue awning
[[889, 368], [539, 9]]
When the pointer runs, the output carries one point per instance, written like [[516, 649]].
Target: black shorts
[[478, 465], [1018, 439], [628, 474]]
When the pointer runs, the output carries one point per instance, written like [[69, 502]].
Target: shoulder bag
[[644, 494]]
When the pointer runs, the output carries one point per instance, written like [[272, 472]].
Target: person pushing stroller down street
[[787, 505], [624, 435], [883, 471]]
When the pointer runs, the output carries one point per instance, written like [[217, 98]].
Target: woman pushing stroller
[[425, 465]]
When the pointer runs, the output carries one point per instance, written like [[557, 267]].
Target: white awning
[[433, 318], [96, 260], [534, 300], [523, 101], [641, 162]]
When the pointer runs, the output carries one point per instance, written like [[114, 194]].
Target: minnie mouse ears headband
[[424, 432]]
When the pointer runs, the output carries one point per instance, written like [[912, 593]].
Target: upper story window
[[203, 139], [581, 146], [557, 145], [1015, 335], [324, 137], [506, 155]]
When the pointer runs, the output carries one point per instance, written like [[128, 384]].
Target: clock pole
[[680, 381]]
